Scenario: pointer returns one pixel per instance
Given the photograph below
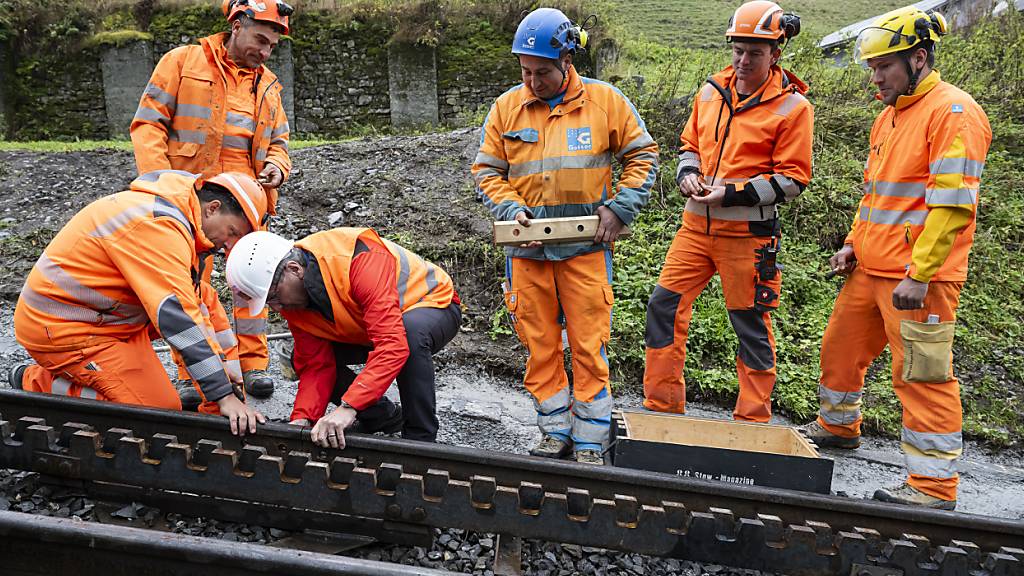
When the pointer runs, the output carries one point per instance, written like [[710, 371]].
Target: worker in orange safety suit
[[351, 297], [906, 258], [125, 270], [746, 148], [546, 151], [215, 107]]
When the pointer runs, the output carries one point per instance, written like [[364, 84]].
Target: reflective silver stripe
[[790, 189], [73, 312], [161, 207], [87, 296], [234, 368], [559, 400], [488, 160], [964, 166], [279, 142], [895, 189], [250, 326], [226, 338], [60, 386], [266, 132], [193, 111], [835, 398], [236, 142], [707, 93], [933, 467], [733, 213], [893, 217], [192, 136], [89, 393], [205, 368], [689, 159], [765, 192], [643, 141], [156, 93], [555, 423], [951, 196], [403, 276], [241, 121], [596, 408], [117, 221], [204, 310], [586, 431], [239, 193], [559, 163], [280, 130], [150, 115], [839, 417], [156, 174], [431, 279], [791, 102], [186, 338], [485, 173], [261, 154], [951, 443]]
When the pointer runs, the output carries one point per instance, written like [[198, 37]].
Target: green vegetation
[[90, 145]]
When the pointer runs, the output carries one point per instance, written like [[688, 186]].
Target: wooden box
[[739, 452]]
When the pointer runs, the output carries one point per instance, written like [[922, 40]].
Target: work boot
[[392, 425], [590, 457], [258, 383], [907, 494], [551, 447], [15, 374], [188, 395], [817, 433]]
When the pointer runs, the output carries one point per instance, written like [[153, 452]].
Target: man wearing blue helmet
[[546, 151]]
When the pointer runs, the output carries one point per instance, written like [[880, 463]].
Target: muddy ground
[[417, 190]]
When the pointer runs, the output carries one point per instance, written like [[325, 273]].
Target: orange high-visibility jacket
[[558, 162], [182, 115], [921, 180], [760, 149], [124, 263], [420, 284]]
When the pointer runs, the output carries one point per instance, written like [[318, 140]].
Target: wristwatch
[[344, 404]]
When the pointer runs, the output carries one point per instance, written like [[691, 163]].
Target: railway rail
[[397, 491]]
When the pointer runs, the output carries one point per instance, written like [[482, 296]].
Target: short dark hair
[[293, 255], [210, 192]]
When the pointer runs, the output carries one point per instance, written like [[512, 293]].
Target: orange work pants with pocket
[[122, 371], [692, 260], [863, 322], [538, 293]]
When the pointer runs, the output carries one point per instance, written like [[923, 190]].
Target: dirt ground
[[417, 191]]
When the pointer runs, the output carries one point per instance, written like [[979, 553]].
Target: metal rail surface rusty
[[433, 485]]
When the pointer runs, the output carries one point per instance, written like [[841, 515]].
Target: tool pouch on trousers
[[927, 351]]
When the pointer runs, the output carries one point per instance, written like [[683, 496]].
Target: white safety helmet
[[251, 266]]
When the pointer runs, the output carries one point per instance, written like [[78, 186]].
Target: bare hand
[[271, 176], [523, 220], [242, 417], [691, 185], [329, 431], [710, 196], [844, 261], [909, 294], [609, 226]]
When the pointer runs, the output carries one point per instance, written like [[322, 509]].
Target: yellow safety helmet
[[898, 30]]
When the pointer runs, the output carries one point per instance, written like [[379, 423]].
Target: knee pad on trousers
[[661, 317], [755, 347]]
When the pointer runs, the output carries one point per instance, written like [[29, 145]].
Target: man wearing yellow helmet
[[906, 257]]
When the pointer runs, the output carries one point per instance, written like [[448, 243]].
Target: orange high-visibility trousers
[[580, 289], [122, 371], [863, 322], [692, 259]]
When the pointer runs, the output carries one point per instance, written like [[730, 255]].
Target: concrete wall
[[282, 64], [126, 72], [412, 84]]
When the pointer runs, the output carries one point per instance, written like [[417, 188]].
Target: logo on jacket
[[579, 139], [957, 108]]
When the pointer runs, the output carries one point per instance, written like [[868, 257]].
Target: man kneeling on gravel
[[351, 297]]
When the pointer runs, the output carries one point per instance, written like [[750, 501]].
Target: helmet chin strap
[[914, 75]]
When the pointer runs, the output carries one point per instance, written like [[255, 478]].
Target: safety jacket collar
[[571, 100], [779, 82], [178, 188], [923, 87], [214, 44]]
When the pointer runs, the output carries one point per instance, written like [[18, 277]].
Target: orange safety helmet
[[272, 11], [249, 194], [762, 20]]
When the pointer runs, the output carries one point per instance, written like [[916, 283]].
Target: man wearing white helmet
[[351, 297]]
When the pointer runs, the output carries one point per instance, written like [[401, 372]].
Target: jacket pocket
[[927, 351], [182, 149], [512, 303]]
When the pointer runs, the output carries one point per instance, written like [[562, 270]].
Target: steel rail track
[[42, 546], [412, 483]]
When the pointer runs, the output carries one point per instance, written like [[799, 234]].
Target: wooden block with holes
[[549, 231], [724, 450]]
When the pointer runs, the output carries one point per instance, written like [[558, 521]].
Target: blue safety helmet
[[546, 33]]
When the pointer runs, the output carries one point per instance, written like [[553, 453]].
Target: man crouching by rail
[[351, 297], [125, 270]]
